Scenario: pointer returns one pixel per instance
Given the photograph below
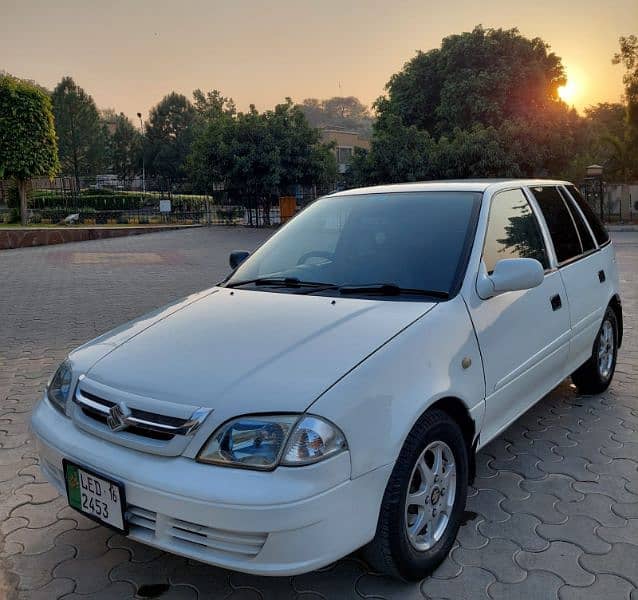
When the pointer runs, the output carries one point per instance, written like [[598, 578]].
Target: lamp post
[[595, 175], [139, 116]]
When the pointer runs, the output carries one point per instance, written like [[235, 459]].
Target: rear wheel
[[424, 500], [596, 374]]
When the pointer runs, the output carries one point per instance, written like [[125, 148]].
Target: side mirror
[[237, 257], [509, 275]]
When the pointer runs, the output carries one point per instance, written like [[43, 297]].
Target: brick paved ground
[[553, 512]]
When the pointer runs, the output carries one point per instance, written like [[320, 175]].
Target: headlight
[[60, 386], [263, 442]]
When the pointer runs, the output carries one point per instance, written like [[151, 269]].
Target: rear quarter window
[[559, 222], [600, 233]]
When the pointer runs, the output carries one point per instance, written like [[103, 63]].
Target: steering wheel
[[315, 254]]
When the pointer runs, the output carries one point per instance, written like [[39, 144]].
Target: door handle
[[556, 302], [601, 276]]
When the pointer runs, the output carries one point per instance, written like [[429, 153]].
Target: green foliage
[[480, 77], [27, 135], [339, 112], [123, 147], [485, 104], [626, 147], [81, 134], [258, 154], [169, 134]]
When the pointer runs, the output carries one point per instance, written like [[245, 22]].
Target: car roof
[[454, 185]]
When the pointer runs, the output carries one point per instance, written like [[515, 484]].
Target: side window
[[512, 231], [586, 240], [600, 233], [559, 222]]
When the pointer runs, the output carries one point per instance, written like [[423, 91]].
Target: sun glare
[[568, 92]]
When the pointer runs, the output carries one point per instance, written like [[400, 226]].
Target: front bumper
[[284, 522]]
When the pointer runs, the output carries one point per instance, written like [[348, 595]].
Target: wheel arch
[[616, 305], [458, 411]]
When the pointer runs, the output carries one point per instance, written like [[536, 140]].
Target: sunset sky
[[128, 54]]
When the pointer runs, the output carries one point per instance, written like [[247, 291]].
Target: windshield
[[412, 240]]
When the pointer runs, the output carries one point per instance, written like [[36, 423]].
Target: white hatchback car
[[333, 391]]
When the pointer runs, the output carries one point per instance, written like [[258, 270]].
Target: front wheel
[[596, 374], [424, 500]]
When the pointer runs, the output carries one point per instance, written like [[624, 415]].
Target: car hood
[[240, 351]]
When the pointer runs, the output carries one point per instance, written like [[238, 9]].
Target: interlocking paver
[[557, 485], [582, 532], [621, 560], [487, 503], [542, 506], [469, 535], [627, 533], [519, 528], [615, 487], [497, 557], [471, 584], [89, 545], [36, 541], [570, 457], [538, 585], [56, 588], [139, 552], [596, 506], [92, 574], [211, 581], [507, 483], [268, 587], [609, 587], [339, 581], [112, 591], [561, 558], [377, 586], [627, 510], [36, 572]]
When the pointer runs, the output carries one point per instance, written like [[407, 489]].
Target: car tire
[[596, 374], [403, 546]]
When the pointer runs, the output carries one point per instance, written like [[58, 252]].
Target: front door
[[523, 335]]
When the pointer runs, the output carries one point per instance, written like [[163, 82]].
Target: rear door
[[579, 265], [523, 335]]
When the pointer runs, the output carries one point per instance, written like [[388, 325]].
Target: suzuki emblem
[[118, 416]]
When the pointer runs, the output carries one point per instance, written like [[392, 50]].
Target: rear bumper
[[288, 521]]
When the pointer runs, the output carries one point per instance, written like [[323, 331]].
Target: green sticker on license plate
[[73, 481], [95, 495]]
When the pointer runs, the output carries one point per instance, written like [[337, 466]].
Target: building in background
[[345, 143]]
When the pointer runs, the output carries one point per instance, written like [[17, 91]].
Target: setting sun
[[568, 92]]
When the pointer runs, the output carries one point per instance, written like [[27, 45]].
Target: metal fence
[[104, 201]]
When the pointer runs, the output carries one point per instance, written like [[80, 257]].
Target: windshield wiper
[[290, 282], [390, 289]]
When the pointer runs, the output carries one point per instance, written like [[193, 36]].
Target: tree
[[257, 155], [123, 146], [338, 112], [484, 104], [28, 145], [480, 77], [81, 135], [628, 145], [304, 159], [169, 135], [211, 105]]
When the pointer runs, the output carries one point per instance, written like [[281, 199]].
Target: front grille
[[140, 422], [192, 538], [141, 518], [246, 544], [154, 435]]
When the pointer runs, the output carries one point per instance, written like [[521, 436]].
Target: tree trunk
[[22, 193]]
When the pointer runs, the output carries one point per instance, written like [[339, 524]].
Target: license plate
[[95, 496]]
